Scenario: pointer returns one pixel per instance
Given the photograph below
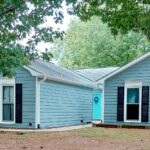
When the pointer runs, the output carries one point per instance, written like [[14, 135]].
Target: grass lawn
[[82, 139]]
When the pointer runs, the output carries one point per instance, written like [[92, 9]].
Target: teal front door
[[97, 106]]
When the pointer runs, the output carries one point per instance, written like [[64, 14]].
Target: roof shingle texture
[[62, 74], [97, 73]]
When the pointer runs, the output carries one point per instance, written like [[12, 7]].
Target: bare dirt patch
[[82, 139]]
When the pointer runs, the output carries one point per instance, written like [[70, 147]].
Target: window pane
[[133, 112], [132, 95], [12, 112], [8, 112], [11, 94], [8, 94]]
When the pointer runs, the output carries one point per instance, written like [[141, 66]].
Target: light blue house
[[44, 95], [126, 94]]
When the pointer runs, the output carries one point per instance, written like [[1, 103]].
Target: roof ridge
[[45, 61]]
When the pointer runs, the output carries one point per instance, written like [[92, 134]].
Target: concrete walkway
[[48, 130]]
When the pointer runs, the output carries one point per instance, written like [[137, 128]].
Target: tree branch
[[6, 10]]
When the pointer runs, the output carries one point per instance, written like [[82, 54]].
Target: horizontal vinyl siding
[[140, 72], [64, 105], [28, 100]]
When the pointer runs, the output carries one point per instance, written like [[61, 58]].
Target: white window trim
[[132, 84], [7, 82]]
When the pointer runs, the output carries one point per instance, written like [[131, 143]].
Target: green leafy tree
[[120, 15], [47, 55], [91, 44], [20, 19]]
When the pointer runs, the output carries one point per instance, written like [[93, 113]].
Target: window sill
[[132, 121], [7, 122]]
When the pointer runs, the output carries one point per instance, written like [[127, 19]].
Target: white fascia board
[[70, 82], [124, 67], [33, 72]]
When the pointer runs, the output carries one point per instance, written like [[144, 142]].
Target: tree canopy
[[91, 44], [20, 19], [120, 15]]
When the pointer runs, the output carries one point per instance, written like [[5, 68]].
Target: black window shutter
[[120, 104], [18, 103], [145, 103]]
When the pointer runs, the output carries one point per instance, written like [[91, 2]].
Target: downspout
[[38, 83]]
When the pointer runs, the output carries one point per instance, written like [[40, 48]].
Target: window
[[8, 103], [133, 102]]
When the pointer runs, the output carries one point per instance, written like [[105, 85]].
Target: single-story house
[[126, 94], [44, 95]]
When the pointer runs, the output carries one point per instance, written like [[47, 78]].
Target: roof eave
[[71, 82], [124, 67], [41, 75], [33, 71]]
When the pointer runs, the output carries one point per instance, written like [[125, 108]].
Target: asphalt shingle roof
[[95, 74], [60, 74]]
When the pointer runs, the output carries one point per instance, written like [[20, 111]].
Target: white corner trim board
[[37, 103]]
